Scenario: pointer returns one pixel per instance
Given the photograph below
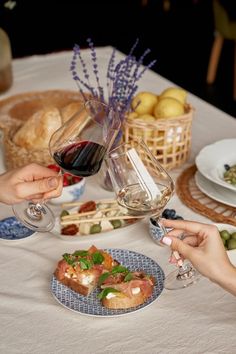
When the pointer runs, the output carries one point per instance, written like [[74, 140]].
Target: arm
[[31, 182], [205, 250]]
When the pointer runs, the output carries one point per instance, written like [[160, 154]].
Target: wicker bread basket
[[169, 139], [17, 109]]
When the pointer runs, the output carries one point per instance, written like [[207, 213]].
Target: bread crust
[[75, 285], [68, 111], [124, 302], [36, 132]]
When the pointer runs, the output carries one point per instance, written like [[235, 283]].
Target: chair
[[224, 29]]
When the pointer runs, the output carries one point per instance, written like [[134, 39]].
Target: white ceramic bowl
[[70, 193]]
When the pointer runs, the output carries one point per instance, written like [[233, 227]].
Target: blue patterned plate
[[91, 305], [12, 229]]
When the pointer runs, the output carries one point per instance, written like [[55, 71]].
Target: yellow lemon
[[168, 107], [144, 133], [146, 117], [144, 102], [174, 92], [132, 115]]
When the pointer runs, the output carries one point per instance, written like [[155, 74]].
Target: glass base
[[40, 218], [181, 278]]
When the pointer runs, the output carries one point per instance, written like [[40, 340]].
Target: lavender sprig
[[95, 69], [122, 78]]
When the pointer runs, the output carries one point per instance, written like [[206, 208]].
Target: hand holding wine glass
[[78, 147], [202, 246], [143, 187], [185, 274]]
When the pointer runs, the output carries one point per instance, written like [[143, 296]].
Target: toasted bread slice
[[126, 289], [81, 270], [75, 285], [124, 302]]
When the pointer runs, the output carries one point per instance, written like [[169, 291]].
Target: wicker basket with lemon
[[164, 122]]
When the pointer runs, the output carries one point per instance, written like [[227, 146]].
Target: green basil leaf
[[106, 291], [85, 263], [128, 277], [103, 277], [119, 269], [97, 258], [80, 253], [69, 260]]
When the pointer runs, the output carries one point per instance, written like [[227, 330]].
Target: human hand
[[32, 182], [202, 245]]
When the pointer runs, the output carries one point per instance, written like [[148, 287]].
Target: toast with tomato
[[122, 289], [81, 270]]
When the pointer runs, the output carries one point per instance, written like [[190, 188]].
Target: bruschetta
[[81, 270], [122, 289]]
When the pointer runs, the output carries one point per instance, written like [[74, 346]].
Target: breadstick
[[104, 201], [96, 220], [79, 215]]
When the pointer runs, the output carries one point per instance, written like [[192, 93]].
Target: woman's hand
[[202, 245], [31, 182]]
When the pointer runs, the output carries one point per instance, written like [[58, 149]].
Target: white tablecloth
[[199, 319]]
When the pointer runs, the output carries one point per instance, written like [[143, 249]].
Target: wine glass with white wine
[[143, 187]]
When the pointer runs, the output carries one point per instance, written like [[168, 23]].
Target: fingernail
[[52, 182], [167, 241]]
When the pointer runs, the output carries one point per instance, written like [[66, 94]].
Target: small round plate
[[91, 305], [11, 229]]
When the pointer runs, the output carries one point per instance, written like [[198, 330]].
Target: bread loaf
[[36, 132]]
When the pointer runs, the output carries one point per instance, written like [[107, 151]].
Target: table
[[199, 319]]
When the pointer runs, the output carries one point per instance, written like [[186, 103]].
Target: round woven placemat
[[191, 196]]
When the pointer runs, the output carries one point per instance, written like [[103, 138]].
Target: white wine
[[138, 202]]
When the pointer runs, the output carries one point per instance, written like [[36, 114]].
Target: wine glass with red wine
[[78, 147]]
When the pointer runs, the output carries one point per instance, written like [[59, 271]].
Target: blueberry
[[172, 214], [169, 214], [227, 167], [165, 213]]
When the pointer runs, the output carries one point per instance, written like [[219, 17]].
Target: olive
[[233, 180], [225, 234], [94, 229], [233, 236], [231, 244], [64, 213], [116, 223]]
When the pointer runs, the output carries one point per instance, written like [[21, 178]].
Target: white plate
[[230, 228], [57, 230], [211, 160], [215, 191], [91, 305]]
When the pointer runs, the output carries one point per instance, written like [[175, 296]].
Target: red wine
[[81, 159]]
